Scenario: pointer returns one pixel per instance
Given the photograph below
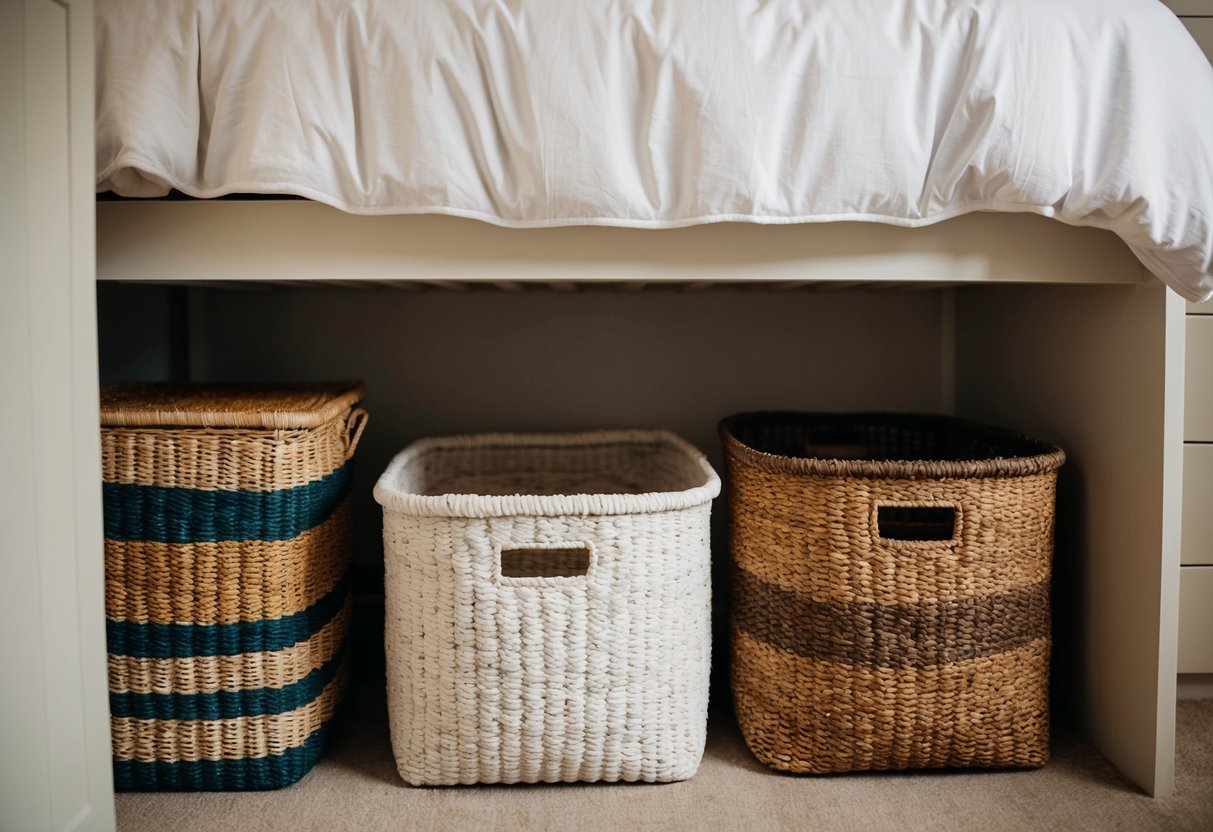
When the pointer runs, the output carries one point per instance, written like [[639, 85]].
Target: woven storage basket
[[891, 595], [548, 607], [227, 536]]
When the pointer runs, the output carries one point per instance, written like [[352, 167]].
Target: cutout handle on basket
[[354, 426], [917, 524], [571, 561]]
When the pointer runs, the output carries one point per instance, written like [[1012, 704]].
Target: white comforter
[[661, 113]]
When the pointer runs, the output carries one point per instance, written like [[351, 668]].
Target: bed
[[662, 114]]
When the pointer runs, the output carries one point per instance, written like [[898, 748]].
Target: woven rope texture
[[525, 644], [890, 608], [227, 601]]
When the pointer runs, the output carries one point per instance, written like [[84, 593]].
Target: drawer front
[[1198, 506], [1202, 29], [1196, 619], [1198, 380]]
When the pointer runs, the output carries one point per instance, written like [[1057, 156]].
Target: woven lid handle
[[355, 424]]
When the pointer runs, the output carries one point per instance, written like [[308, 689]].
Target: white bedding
[[658, 114]]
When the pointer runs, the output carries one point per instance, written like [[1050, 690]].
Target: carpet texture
[[355, 787]]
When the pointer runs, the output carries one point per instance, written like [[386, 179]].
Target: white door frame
[[55, 770]]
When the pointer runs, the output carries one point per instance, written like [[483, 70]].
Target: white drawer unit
[[1198, 381], [1196, 619], [1196, 550]]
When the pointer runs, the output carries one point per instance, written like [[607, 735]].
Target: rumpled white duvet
[[663, 113]]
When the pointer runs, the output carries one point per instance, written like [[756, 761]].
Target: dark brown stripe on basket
[[887, 635]]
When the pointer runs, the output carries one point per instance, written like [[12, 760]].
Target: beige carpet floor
[[355, 787]]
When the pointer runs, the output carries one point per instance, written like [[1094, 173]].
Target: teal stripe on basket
[[227, 704], [194, 515], [179, 641], [272, 772]]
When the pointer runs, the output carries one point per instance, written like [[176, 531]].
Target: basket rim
[[1038, 458], [142, 404], [468, 506]]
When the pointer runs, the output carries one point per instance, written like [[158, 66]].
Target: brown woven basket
[[891, 591], [227, 540]]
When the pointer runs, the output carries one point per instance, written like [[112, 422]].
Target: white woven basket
[[548, 607]]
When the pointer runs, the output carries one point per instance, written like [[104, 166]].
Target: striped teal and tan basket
[[227, 540]]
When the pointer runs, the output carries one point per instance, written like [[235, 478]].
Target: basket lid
[[201, 405]]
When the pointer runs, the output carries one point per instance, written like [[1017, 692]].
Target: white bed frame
[[1056, 330]]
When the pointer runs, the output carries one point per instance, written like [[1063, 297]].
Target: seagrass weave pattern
[[548, 607], [227, 536], [891, 591]]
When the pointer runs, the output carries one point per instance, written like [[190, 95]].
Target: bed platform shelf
[[1057, 330], [259, 241]]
